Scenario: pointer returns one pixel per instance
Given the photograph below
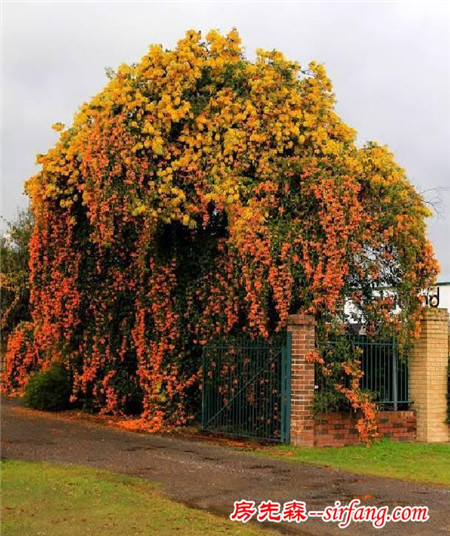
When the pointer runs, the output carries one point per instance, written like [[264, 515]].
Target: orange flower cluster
[[201, 194]]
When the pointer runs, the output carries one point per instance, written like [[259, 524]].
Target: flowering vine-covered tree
[[201, 194]]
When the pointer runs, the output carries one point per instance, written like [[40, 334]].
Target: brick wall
[[338, 429]]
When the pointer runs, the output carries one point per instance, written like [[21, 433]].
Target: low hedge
[[49, 390]]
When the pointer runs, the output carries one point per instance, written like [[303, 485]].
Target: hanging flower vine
[[202, 194]]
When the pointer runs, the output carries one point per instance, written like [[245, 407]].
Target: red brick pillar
[[302, 329]]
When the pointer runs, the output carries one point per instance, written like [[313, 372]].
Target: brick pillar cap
[[301, 320], [437, 312]]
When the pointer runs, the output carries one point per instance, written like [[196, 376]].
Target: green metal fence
[[246, 388], [385, 374], [246, 383]]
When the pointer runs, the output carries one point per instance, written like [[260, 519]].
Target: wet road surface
[[212, 477]]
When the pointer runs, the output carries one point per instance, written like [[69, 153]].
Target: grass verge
[[56, 500], [427, 463]]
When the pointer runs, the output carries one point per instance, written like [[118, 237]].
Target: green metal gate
[[246, 387]]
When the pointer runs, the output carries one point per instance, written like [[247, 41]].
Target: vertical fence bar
[[203, 389], [286, 389], [394, 376], [283, 394]]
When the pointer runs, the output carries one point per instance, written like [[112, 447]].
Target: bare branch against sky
[[389, 62]]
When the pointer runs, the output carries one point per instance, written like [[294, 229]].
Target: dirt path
[[212, 477]]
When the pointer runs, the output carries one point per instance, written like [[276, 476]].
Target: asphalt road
[[212, 477]]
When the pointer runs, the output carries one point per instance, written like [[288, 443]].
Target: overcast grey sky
[[389, 63]]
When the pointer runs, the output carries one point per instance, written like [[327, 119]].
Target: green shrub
[[49, 390], [337, 351], [329, 400]]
